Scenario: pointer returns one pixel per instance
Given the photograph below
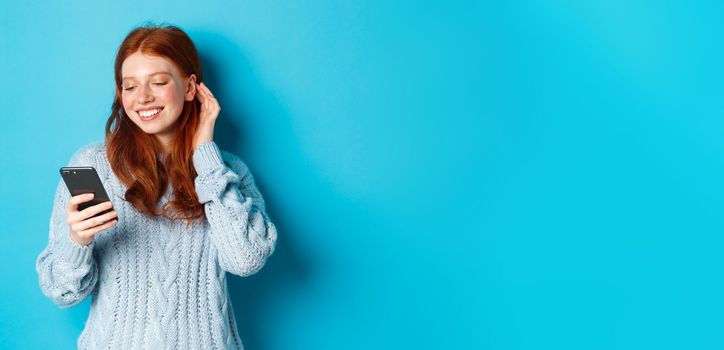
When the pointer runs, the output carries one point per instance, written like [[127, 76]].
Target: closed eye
[[159, 84]]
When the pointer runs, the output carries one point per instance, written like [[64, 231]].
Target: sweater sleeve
[[241, 230], [67, 271]]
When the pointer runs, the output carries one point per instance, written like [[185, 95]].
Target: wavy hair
[[132, 153]]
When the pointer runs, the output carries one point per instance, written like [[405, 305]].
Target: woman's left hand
[[209, 112]]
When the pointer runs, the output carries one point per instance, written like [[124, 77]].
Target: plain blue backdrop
[[443, 174]]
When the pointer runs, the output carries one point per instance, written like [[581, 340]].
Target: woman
[[185, 212]]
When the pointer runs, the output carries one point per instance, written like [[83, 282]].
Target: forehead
[[139, 65]]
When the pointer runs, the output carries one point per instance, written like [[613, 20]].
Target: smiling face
[[153, 94]]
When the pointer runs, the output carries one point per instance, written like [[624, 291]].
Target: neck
[[165, 143]]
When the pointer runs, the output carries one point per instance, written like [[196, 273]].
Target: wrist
[[79, 240], [201, 142]]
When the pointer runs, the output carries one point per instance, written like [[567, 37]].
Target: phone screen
[[81, 180]]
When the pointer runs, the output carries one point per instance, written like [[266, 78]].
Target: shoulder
[[88, 154]]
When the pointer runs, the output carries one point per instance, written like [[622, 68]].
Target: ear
[[191, 88]]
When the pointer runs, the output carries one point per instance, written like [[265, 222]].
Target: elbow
[[62, 297], [67, 303], [63, 291], [247, 263], [250, 260], [245, 269]]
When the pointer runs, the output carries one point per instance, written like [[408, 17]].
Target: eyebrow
[[154, 73]]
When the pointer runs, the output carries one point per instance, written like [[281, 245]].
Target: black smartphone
[[80, 180]]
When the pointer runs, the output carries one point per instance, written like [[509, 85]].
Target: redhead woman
[[184, 212]]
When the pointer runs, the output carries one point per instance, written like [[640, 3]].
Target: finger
[[75, 200], [209, 94], [207, 90], [202, 98], [91, 211], [92, 232], [199, 87], [209, 101], [95, 221], [203, 88]]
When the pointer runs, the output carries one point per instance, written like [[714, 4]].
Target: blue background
[[472, 175]]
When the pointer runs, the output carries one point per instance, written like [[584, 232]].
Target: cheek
[[172, 96], [127, 103]]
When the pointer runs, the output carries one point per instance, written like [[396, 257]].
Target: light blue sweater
[[154, 284]]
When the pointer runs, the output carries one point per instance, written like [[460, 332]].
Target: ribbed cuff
[[207, 157], [74, 253]]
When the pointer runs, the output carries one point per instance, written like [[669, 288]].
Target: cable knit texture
[[154, 283]]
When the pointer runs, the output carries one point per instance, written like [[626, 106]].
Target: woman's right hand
[[83, 226]]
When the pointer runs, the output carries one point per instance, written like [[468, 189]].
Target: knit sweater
[[154, 283]]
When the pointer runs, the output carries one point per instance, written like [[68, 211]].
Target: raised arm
[[241, 230]]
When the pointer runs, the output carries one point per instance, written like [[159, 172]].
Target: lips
[[148, 114]]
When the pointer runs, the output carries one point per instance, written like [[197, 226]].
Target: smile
[[150, 114]]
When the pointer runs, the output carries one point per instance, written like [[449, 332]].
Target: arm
[[67, 271], [241, 230]]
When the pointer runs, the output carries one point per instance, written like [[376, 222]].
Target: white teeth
[[149, 113]]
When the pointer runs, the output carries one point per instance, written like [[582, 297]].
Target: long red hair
[[133, 154]]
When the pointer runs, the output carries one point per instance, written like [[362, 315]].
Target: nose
[[144, 95]]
